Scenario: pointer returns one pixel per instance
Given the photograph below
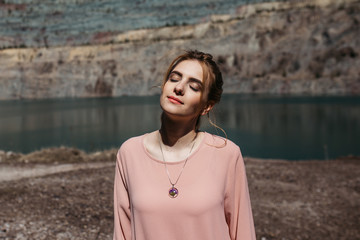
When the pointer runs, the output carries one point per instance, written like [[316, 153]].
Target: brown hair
[[212, 77]]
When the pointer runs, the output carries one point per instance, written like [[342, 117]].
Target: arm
[[237, 202], [122, 213]]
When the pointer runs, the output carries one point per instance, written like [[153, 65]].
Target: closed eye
[[195, 84], [174, 77], [196, 89]]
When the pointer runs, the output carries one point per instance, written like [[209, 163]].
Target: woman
[[178, 182]]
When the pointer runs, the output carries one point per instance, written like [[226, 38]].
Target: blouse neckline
[[177, 162]]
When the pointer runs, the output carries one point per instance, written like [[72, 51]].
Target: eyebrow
[[191, 79]]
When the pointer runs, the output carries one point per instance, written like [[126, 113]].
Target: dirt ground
[[64, 193]]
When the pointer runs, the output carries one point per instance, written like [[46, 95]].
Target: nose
[[179, 89]]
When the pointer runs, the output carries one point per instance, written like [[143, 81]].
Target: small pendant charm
[[173, 192]]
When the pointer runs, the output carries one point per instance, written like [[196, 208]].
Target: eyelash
[[193, 88]]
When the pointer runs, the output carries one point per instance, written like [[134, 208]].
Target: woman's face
[[181, 95]]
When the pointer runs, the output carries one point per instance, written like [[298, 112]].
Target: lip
[[174, 100]]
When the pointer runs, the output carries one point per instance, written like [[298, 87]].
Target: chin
[[177, 115]]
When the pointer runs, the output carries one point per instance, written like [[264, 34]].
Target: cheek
[[166, 87], [197, 103], [163, 90], [162, 98]]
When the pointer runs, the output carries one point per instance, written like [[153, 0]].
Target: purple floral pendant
[[173, 192]]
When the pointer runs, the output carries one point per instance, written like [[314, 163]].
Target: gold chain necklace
[[173, 191]]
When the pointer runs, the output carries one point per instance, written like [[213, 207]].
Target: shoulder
[[132, 144], [223, 148], [225, 151], [130, 149], [221, 143]]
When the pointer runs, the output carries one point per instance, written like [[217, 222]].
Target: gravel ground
[[290, 200]]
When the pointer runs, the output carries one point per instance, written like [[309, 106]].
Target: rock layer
[[297, 47]]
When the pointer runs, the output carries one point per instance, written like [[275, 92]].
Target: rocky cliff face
[[296, 47], [49, 23]]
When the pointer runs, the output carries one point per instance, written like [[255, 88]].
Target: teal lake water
[[291, 128]]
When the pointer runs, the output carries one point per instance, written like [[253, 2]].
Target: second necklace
[[173, 191]]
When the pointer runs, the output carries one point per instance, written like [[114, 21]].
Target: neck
[[177, 134]]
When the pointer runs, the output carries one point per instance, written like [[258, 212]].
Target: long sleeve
[[122, 213], [237, 202]]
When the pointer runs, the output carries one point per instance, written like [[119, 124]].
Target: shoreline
[[65, 155]]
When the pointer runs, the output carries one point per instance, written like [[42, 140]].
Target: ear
[[207, 109]]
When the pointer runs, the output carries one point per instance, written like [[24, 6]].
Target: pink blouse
[[213, 201]]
